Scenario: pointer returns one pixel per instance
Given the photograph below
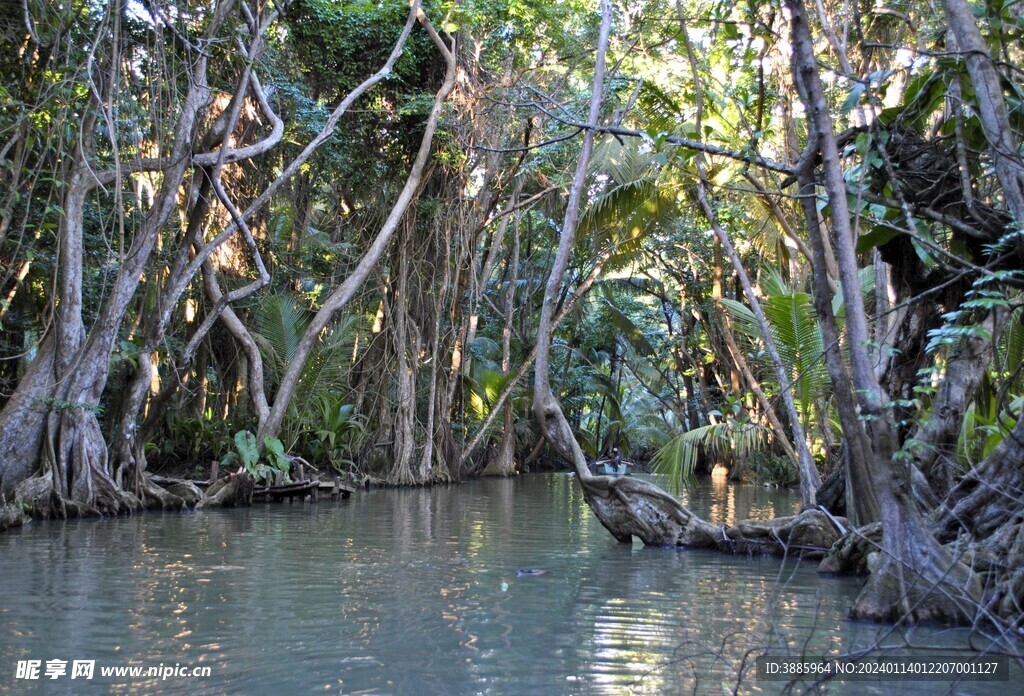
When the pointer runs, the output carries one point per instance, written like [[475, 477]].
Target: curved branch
[[344, 292]]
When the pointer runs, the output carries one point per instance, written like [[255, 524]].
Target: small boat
[[606, 468]]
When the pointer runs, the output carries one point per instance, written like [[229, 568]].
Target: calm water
[[415, 592]]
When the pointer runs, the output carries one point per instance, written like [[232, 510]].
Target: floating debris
[[529, 572]]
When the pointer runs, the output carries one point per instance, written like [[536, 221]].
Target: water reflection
[[415, 591]]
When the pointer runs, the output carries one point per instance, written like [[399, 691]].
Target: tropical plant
[[768, 468], [999, 402], [333, 431], [797, 337], [247, 454], [734, 436], [281, 320]]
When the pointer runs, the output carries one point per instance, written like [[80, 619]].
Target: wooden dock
[[336, 489], [301, 489]]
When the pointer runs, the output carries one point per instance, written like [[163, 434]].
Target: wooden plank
[[336, 488]]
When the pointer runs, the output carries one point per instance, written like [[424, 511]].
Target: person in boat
[[616, 457]]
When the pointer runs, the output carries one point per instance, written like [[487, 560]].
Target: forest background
[[785, 239]]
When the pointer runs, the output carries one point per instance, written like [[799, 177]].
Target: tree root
[[156, 497], [11, 516], [233, 491], [189, 492], [942, 589], [849, 555], [629, 507], [38, 498]]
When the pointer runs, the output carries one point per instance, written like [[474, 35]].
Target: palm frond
[[1011, 349], [796, 336], [678, 458], [634, 197], [281, 320], [329, 363], [867, 286], [628, 329]]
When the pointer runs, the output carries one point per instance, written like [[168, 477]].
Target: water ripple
[[412, 592]]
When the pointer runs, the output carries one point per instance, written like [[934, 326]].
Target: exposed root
[[233, 491], [943, 589], [11, 516], [157, 497], [38, 498], [849, 555], [629, 507], [189, 492]]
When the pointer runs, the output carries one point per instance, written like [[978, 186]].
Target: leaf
[[245, 445], [853, 98], [282, 321], [275, 452], [875, 238]]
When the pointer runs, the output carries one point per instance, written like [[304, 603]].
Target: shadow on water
[[415, 591]]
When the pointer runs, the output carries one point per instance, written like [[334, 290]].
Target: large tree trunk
[[406, 347], [23, 420], [71, 453], [914, 576], [861, 501]]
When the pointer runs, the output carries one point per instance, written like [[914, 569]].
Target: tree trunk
[[914, 578], [504, 464], [406, 345], [992, 111], [72, 451]]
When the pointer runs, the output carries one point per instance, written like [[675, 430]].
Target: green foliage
[[277, 459], [54, 404], [338, 44], [1010, 353], [247, 454], [999, 400], [962, 323], [734, 436], [246, 449], [192, 437], [333, 46], [282, 320], [770, 468], [634, 197], [333, 431], [796, 336]]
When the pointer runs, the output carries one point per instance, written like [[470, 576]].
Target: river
[[415, 592]]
